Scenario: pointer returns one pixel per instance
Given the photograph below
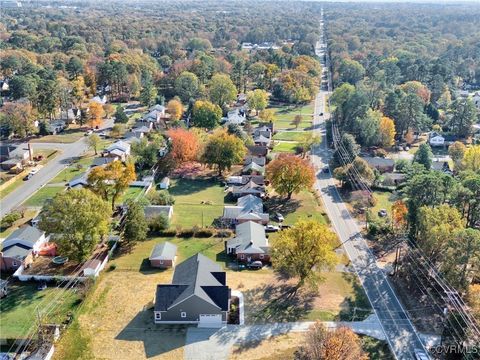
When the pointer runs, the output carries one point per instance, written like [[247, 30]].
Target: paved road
[[46, 173], [399, 331], [216, 344]]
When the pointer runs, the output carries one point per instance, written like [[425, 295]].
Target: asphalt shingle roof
[[164, 251], [199, 276]]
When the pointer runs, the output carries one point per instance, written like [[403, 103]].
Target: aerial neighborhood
[[264, 181]]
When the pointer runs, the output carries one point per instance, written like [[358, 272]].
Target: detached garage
[[163, 255]]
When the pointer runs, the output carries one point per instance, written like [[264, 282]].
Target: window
[[183, 314], [261, 256], [242, 256], [160, 261], [14, 263], [158, 316]]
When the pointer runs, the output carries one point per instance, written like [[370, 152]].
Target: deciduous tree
[[290, 174], [456, 152], [471, 159], [223, 150], [187, 86], [267, 115], [297, 120], [94, 142], [386, 132], [257, 99], [221, 90], [76, 220], [304, 251], [184, 145], [206, 114], [110, 181], [175, 109], [326, 344], [96, 114]]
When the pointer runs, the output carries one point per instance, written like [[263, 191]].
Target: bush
[[9, 219], [162, 197], [225, 233], [159, 223], [204, 233], [186, 233], [402, 165], [168, 233], [380, 153], [112, 267]]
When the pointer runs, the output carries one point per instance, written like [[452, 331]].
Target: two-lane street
[[399, 331], [47, 172]]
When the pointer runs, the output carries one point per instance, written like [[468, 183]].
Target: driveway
[[216, 344]]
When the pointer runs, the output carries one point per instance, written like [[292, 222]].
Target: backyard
[[197, 202], [45, 193], [18, 310]]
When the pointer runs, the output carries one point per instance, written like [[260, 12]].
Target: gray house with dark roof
[[248, 208], [198, 295]]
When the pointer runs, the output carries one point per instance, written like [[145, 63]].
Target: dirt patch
[[278, 347]]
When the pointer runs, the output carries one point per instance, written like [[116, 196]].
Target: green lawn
[[189, 195], [45, 193], [15, 184], [131, 193], [291, 135], [384, 201], [71, 171], [137, 259], [287, 124], [19, 308], [68, 136], [289, 147]]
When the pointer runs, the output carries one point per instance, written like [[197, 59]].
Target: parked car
[[271, 228], [255, 265], [321, 114], [30, 174], [382, 212], [88, 132], [279, 217]]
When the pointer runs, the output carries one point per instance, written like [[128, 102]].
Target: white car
[[30, 174], [271, 228], [420, 355]]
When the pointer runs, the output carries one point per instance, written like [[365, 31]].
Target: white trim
[[176, 322]]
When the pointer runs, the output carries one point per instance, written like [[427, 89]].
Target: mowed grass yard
[[18, 310], [197, 202], [285, 115], [45, 193], [66, 137], [285, 147]]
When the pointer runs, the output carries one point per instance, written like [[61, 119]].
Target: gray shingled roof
[[197, 276], [18, 251], [163, 251], [250, 238], [26, 233]]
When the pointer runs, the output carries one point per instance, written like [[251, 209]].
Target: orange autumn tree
[[399, 214], [338, 344], [96, 114], [290, 174], [387, 131], [184, 145]]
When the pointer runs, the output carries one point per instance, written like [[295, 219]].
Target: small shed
[[163, 255], [165, 183]]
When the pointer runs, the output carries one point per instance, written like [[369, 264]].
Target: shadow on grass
[[274, 303], [281, 205], [157, 339], [356, 307]]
